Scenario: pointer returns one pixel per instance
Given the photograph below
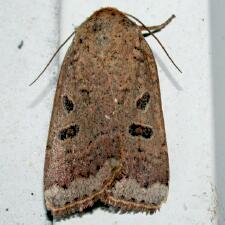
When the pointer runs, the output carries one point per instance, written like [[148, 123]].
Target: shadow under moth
[[107, 138]]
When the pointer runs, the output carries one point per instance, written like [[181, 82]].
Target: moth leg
[[156, 28]]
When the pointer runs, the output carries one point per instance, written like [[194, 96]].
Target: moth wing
[[83, 152], [143, 183]]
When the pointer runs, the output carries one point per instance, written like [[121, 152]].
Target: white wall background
[[193, 103], [25, 111]]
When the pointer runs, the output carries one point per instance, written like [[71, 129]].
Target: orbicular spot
[[143, 101], [140, 130], [68, 104], [68, 132]]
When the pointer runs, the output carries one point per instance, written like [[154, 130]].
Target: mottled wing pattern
[[143, 182], [107, 139], [83, 152]]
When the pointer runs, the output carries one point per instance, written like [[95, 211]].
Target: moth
[[107, 138]]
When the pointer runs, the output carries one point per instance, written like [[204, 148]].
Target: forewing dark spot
[[68, 104], [140, 149], [140, 130], [86, 96], [146, 183], [84, 92], [143, 101], [68, 132]]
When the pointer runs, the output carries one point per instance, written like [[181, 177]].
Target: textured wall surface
[[193, 105]]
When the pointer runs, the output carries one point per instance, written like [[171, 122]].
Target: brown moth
[[107, 138]]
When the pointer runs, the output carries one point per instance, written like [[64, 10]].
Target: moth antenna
[[159, 27], [52, 58], [151, 33]]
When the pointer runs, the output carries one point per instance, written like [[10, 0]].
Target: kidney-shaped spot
[[140, 130], [68, 132]]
